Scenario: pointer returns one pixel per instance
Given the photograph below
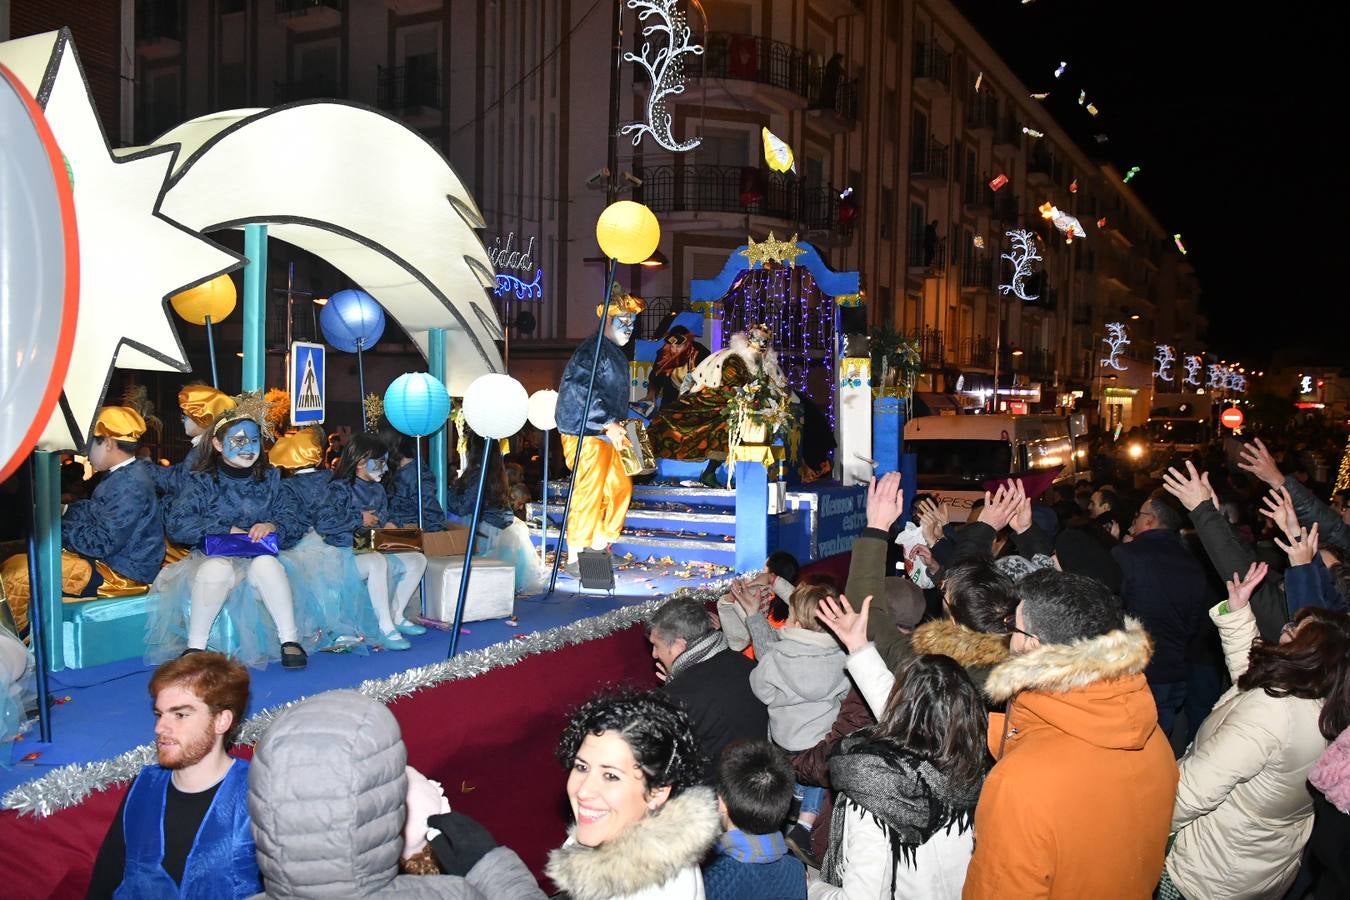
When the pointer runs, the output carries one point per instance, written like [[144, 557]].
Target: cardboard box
[[492, 588], [454, 541]]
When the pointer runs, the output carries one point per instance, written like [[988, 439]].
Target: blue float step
[[709, 550]]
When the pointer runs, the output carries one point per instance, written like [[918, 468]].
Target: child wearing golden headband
[[113, 543]]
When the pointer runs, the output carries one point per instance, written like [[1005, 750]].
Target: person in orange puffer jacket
[[1079, 802]]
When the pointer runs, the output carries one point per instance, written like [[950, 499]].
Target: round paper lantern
[[542, 408], [495, 406], [352, 318], [216, 299], [416, 404], [628, 232]]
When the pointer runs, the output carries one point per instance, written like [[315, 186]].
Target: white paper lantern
[[543, 408], [495, 406]]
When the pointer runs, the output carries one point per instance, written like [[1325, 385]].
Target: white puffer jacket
[[1243, 812]]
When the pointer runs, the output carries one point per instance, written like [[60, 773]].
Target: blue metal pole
[[543, 518], [436, 445], [47, 514], [211, 349], [581, 438], [255, 307], [40, 584], [468, 552]]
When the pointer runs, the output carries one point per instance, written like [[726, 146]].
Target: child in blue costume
[[112, 543], [322, 580], [402, 484], [202, 405], [232, 490], [507, 537], [357, 500]]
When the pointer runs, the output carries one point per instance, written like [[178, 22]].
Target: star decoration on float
[[772, 250], [132, 258]]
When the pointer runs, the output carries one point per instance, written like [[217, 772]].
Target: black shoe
[[799, 842], [293, 660]]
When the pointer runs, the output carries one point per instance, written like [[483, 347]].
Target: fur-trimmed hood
[[645, 855], [965, 645], [1092, 689], [1056, 668]]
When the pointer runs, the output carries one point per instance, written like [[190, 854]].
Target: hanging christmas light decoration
[[1116, 342], [1193, 364], [1022, 255], [1164, 357], [665, 70]]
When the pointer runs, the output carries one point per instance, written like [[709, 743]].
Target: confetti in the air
[[1062, 66]]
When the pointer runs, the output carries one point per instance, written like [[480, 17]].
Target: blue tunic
[[346, 500], [121, 524], [610, 400], [169, 480], [403, 502], [308, 492], [222, 864], [211, 503]]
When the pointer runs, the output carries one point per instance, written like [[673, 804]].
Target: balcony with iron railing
[[159, 28], [739, 190], [927, 258], [976, 353], [928, 162], [932, 68], [749, 57], [1008, 134], [839, 99], [977, 196], [932, 347], [977, 274], [1040, 165], [1037, 362], [409, 88], [982, 113]]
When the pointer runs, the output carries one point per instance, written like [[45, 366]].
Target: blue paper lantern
[[352, 318], [416, 404]]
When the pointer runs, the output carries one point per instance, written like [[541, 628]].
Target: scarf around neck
[[699, 650], [905, 794]]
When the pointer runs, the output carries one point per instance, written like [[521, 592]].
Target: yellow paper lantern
[[628, 232], [216, 299]]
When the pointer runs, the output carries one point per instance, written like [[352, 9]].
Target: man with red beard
[[183, 829]]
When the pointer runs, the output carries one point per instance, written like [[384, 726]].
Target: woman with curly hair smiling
[[643, 823]]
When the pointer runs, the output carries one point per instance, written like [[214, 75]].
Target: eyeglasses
[[1013, 629]]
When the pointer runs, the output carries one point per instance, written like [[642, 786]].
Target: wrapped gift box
[[492, 588]]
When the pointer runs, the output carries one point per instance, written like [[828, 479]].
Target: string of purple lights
[[801, 317]]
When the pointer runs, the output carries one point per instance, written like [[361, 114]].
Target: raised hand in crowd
[[925, 554], [885, 501], [999, 506], [933, 518], [1257, 460], [1240, 589], [1191, 488], [1279, 508], [1302, 546], [849, 626], [1021, 517]]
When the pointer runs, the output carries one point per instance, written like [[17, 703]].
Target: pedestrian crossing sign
[[307, 384]]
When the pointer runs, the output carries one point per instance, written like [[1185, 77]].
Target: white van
[[957, 454]]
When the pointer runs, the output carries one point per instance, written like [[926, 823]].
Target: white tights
[[215, 579], [374, 569]]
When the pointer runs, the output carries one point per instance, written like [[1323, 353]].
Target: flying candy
[[979, 242], [1176, 239], [1073, 186], [1100, 138], [998, 181], [1134, 170], [979, 80], [1062, 66], [1032, 132], [1092, 109], [1101, 223], [1082, 97], [777, 153], [1040, 96]]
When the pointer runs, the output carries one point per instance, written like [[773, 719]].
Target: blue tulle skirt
[[18, 687], [243, 629], [329, 592], [512, 545]]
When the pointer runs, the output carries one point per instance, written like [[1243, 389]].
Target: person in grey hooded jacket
[[327, 793]]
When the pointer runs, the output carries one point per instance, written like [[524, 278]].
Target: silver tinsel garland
[[70, 785]]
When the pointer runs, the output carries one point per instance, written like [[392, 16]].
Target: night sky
[[1230, 114]]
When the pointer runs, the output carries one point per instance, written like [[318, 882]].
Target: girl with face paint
[[216, 600], [356, 500]]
